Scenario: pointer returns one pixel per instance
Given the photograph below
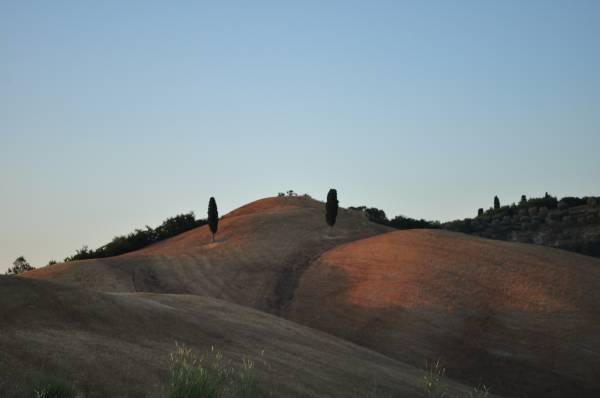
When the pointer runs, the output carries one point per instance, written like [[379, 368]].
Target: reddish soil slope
[[260, 251], [522, 318]]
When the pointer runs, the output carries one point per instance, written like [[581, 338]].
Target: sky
[[115, 115]]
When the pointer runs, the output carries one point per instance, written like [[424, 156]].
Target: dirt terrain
[[260, 250], [521, 318], [114, 344]]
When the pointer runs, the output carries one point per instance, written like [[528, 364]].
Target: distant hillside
[[570, 223], [520, 318]]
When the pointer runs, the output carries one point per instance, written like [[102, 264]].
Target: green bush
[[140, 238], [46, 386]]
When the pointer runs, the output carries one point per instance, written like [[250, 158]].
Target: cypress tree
[[523, 200], [213, 217], [496, 203], [480, 212], [331, 208]]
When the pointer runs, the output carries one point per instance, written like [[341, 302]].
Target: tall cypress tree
[[213, 217], [496, 203], [331, 208]]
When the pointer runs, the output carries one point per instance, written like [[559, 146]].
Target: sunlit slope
[[118, 344], [261, 250], [523, 318]]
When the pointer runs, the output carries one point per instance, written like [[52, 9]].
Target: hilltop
[[521, 318], [260, 251], [570, 223]]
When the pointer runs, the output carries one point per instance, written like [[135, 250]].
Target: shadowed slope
[[261, 250], [118, 344], [523, 318]]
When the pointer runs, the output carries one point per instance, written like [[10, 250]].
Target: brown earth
[[260, 251], [115, 344], [521, 318]]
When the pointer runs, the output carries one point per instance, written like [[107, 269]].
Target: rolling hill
[[115, 344], [518, 317], [260, 249], [523, 318]]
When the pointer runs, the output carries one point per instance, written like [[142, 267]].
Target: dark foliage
[[19, 265], [496, 203], [523, 201], [480, 212], [570, 201], [213, 217], [464, 226], [547, 201], [331, 207], [399, 222], [140, 238]]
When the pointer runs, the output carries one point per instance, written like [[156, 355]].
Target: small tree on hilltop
[[523, 201], [19, 265], [480, 212], [496, 203], [331, 208], [213, 217]]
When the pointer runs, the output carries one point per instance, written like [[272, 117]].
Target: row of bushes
[[399, 222], [141, 238], [547, 201]]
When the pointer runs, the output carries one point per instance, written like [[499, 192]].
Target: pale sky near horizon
[[114, 115]]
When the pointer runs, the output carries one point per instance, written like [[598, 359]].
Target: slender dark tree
[[480, 212], [331, 208], [213, 217], [496, 203]]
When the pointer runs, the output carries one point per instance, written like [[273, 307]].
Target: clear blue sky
[[118, 114]]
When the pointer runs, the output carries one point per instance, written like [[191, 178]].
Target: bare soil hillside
[[117, 345], [519, 317], [522, 318], [261, 250]]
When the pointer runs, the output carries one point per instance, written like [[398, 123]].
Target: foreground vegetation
[[211, 375]]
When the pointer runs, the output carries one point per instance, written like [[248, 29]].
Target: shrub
[[140, 238], [432, 379], [20, 265], [547, 201], [46, 386], [210, 376], [401, 222], [570, 201]]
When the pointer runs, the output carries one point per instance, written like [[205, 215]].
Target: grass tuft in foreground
[[210, 376]]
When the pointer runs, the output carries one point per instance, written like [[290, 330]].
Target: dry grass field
[[521, 318], [117, 344]]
